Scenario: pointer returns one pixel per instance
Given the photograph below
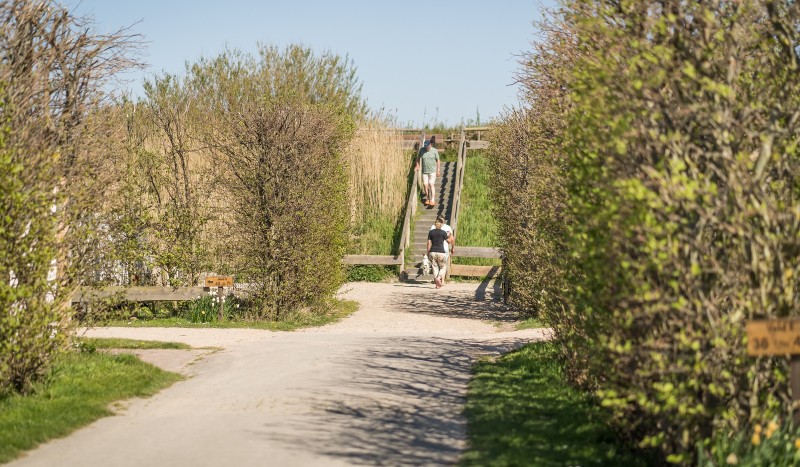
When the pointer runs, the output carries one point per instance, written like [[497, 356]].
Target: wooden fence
[[140, 294]]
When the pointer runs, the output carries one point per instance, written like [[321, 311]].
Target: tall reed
[[378, 172]]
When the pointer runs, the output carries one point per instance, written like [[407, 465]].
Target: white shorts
[[429, 179]]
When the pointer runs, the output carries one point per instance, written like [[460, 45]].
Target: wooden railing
[[141, 294], [459, 183], [478, 252], [380, 260], [475, 252], [411, 210]]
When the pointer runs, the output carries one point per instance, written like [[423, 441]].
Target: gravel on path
[[385, 386]]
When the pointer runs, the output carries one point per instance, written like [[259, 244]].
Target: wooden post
[[221, 297], [220, 282], [778, 337], [794, 369]]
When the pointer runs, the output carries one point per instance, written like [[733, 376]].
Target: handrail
[[411, 209], [383, 260], [461, 161]]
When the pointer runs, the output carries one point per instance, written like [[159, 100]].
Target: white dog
[[426, 265]]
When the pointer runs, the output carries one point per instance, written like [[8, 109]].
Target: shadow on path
[[454, 303], [497, 289], [403, 408]]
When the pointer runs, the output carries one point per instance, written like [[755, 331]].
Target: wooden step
[[416, 276], [432, 212]]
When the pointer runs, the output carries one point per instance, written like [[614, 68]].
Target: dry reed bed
[[378, 168]]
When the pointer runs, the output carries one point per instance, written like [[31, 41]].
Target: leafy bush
[[529, 181], [163, 311], [283, 145], [688, 212], [144, 312], [30, 325], [291, 238], [266, 135], [669, 207], [50, 83]]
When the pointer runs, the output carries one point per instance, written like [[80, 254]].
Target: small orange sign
[[773, 337], [219, 281]]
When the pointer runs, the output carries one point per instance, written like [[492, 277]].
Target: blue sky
[[424, 61]]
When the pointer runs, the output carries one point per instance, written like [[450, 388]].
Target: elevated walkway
[[445, 200]]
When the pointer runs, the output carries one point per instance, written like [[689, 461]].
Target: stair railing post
[[459, 181], [410, 211]]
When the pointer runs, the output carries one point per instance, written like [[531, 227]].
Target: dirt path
[[383, 387]]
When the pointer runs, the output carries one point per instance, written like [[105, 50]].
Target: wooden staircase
[[445, 194]]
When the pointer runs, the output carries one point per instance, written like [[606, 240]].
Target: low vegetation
[[204, 313], [370, 273], [378, 169], [51, 175], [77, 391], [477, 225], [522, 411], [94, 343]]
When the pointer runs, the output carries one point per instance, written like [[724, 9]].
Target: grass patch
[[530, 323], [378, 234], [77, 392], [338, 310], [477, 225], [119, 343], [521, 412], [448, 155], [370, 273]]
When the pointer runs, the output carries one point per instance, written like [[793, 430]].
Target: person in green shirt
[[428, 160]]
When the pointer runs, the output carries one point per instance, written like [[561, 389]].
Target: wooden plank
[[140, 294], [459, 182], [373, 259], [219, 281], [478, 128], [477, 252], [411, 209], [478, 144], [773, 337], [474, 271]]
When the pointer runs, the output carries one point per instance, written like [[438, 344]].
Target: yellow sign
[[773, 337], [219, 281]]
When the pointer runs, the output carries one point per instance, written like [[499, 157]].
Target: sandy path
[[383, 387]]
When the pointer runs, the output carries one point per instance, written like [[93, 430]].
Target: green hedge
[[657, 161]]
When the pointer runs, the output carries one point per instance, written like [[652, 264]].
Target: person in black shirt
[[436, 252]]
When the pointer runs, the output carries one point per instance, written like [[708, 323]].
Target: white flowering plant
[[205, 308]]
